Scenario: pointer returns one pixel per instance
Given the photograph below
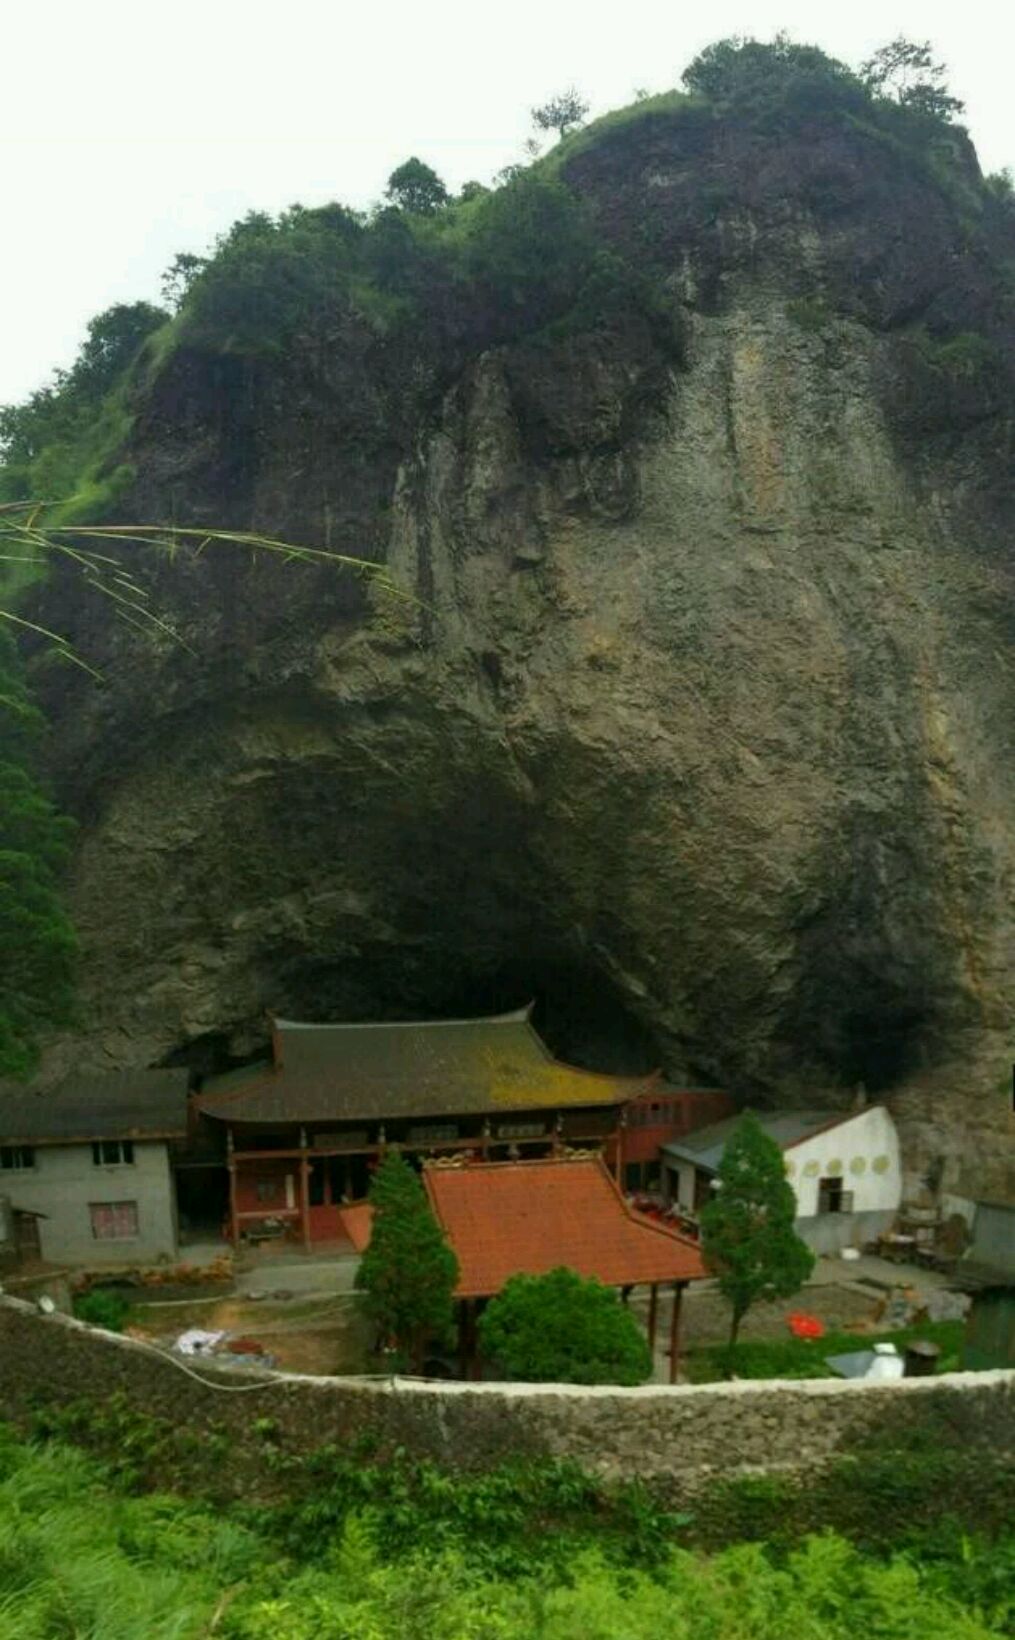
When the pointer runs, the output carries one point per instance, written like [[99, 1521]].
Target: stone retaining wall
[[685, 1436]]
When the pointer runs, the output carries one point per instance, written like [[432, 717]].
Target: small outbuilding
[[844, 1168]]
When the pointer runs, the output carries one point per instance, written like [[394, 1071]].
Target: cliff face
[[700, 719]]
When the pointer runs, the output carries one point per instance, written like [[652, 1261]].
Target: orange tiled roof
[[357, 1220], [510, 1218]]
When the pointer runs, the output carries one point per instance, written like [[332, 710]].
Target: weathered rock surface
[[700, 719]]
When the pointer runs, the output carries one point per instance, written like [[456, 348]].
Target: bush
[[563, 1329], [102, 1308]]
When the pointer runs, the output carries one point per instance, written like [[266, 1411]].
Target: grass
[[800, 1358]]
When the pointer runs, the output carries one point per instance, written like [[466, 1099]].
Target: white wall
[[680, 1182], [65, 1180], [864, 1149]]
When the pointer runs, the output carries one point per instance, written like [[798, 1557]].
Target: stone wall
[[682, 1437]]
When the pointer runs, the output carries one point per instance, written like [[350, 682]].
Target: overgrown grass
[[80, 1561], [803, 1358]]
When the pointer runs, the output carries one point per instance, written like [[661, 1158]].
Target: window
[[15, 1158], [831, 1196], [113, 1221], [113, 1152]]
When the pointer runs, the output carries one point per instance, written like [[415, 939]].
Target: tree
[[563, 1329], [415, 187], [759, 75], [37, 944], [408, 1274], [747, 1233], [561, 114], [112, 341], [905, 71], [179, 276]]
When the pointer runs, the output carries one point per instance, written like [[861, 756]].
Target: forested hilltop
[[691, 440]]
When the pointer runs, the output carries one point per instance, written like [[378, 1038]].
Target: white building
[[85, 1167], [844, 1169]]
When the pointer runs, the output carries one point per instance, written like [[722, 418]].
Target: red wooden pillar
[[305, 1189], [234, 1223], [653, 1309], [678, 1294]]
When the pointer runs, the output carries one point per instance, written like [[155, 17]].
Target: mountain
[[690, 447]]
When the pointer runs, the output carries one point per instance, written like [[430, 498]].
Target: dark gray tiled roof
[[787, 1127], [454, 1067], [116, 1105]]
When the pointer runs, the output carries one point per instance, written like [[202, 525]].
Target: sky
[[129, 132]]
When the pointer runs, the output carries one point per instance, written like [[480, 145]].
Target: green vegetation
[[747, 1232], [102, 1308], [563, 1329], [37, 945], [415, 187], [427, 280], [805, 1358], [81, 1559], [561, 114], [408, 1273], [64, 441]]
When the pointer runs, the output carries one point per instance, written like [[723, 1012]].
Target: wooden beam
[[678, 1294], [653, 1310]]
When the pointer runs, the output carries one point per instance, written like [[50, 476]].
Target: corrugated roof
[[454, 1067], [511, 1218], [787, 1127], [116, 1105]]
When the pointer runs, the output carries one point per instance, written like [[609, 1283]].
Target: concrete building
[[86, 1168], [844, 1170]]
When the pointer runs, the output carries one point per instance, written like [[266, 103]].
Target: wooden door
[[26, 1237]]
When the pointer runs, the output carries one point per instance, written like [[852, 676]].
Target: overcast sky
[[132, 132]]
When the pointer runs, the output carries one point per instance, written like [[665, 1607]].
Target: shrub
[[102, 1308], [561, 1328]]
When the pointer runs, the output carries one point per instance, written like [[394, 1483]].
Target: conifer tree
[[408, 1274], [747, 1233], [36, 939]]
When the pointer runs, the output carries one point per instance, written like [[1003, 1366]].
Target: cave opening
[[880, 1044]]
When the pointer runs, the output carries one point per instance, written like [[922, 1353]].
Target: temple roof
[[513, 1218], [143, 1104], [453, 1067], [705, 1146]]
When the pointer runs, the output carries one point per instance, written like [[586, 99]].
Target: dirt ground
[[705, 1316], [321, 1337]]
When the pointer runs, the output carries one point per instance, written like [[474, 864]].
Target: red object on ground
[[244, 1346], [805, 1326]]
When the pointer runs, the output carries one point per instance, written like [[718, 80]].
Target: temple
[[302, 1133]]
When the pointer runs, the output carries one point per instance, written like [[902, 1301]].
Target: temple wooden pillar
[[678, 1295], [653, 1312], [234, 1223], [305, 1190]]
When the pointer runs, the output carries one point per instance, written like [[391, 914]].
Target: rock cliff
[[698, 721]]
